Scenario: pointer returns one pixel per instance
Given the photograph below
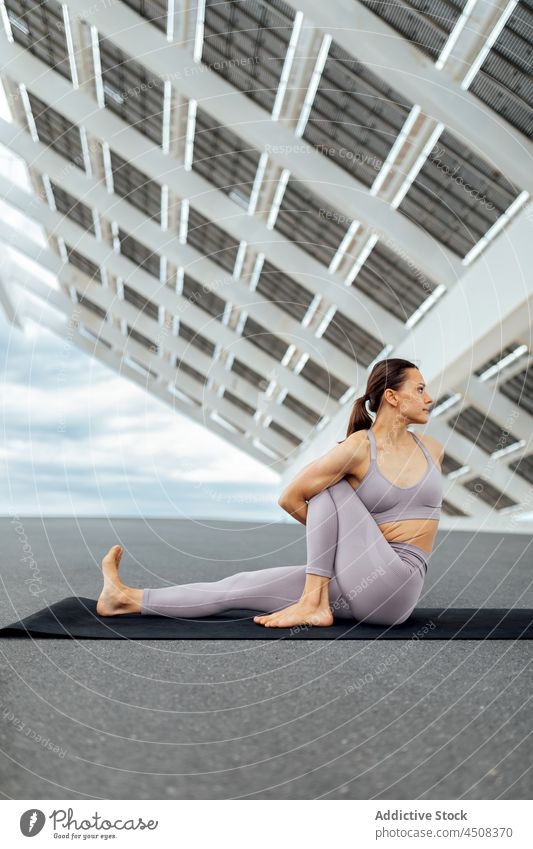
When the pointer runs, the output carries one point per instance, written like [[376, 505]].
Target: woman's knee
[[322, 496], [328, 497], [322, 504]]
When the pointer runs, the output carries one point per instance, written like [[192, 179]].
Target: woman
[[371, 507]]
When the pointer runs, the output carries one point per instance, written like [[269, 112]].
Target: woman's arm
[[298, 510], [324, 472]]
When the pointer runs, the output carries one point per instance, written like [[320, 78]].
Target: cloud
[[83, 440]]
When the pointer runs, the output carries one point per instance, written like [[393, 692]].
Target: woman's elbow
[[287, 499]]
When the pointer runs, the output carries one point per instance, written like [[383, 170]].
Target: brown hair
[[386, 374]]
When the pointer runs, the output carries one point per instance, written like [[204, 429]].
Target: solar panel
[[249, 374], [196, 339], [523, 467], [192, 372], [55, 131], [85, 331], [451, 510], [492, 361], [246, 43], [144, 305], [504, 81], [287, 434], [135, 187], [39, 27], [520, 389], [300, 409], [310, 223], [354, 120], [142, 339], [139, 253], [154, 11], [324, 380], [481, 430], [204, 298], [441, 400], [352, 339], [90, 305], [80, 261], [449, 464], [242, 405], [73, 208], [262, 338], [285, 292], [211, 240], [356, 116], [425, 23], [393, 281], [457, 196], [224, 159], [488, 493], [131, 91]]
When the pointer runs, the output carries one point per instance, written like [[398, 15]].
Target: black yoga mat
[[77, 617]]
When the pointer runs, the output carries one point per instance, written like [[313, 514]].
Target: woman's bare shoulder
[[357, 444], [358, 437], [434, 446]]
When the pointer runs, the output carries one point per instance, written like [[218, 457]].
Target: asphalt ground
[[225, 719]]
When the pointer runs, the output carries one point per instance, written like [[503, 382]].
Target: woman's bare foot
[[116, 597], [297, 614]]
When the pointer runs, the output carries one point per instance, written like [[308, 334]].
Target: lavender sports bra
[[388, 502]]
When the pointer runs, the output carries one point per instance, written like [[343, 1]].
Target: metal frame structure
[[247, 204]]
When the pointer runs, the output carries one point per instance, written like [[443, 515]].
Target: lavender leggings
[[371, 579]]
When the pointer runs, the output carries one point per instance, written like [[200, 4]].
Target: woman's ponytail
[[359, 417], [389, 373]]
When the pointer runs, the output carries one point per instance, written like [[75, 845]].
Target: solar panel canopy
[[245, 210]]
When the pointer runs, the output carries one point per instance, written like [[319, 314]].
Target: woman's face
[[414, 399]]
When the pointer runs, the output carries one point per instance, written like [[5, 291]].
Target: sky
[[79, 439]]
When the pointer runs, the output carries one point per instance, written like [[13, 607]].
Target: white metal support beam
[[127, 346], [104, 125], [143, 283], [65, 327], [5, 298], [173, 346], [389, 55], [137, 38], [201, 268], [511, 371], [396, 175], [470, 42]]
